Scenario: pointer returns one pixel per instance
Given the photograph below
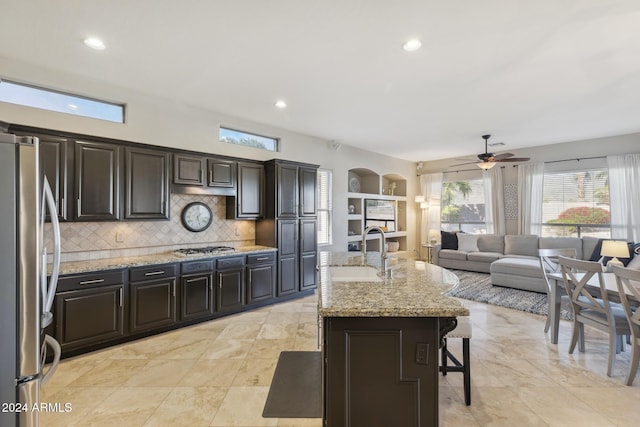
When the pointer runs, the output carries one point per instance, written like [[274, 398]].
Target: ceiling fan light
[[486, 165]]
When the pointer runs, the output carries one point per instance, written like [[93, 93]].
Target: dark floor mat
[[296, 388]]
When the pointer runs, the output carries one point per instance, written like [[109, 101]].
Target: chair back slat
[[549, 262], [581, 297], [628, 281]]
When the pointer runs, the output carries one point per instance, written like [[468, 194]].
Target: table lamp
[[614, 249], [433, 236]]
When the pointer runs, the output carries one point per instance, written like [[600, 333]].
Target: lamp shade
[[615, 249], [419, 199]]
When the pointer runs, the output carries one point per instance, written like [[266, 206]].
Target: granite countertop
[[410, 289], [76, 267]]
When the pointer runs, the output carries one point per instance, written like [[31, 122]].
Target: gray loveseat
[[512, 260]]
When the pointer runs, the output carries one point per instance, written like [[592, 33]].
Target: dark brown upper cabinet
[[54, 165], [97, 181], [188, 170], [248, 204], [222, 173], [287, 197], [146, 184], [308, 189]]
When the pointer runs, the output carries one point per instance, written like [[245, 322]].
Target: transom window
[[47, 99], [248, 139], [576, 203]]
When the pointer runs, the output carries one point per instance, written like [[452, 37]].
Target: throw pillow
[[449, 240], [595, 255], [468, 242]]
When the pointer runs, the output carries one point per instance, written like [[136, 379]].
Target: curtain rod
[[576, 159]]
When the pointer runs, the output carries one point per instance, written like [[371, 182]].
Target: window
[[576, 203], [463, 206], [47, 99], [324, 207], [248, 139]]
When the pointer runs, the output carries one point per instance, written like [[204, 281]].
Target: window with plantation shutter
[[576, 203], [324, 206]]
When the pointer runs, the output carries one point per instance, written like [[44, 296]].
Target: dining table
[[592, 285]]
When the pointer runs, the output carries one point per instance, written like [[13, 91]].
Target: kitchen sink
[[354, 274]]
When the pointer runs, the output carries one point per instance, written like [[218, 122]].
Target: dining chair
[[628, 281], [549, 264], [462, 330], [588, 309]]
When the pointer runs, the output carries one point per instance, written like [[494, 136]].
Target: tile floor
[[218, 374]]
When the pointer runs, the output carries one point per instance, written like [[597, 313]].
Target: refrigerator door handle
[[55, 346], [49, 291]]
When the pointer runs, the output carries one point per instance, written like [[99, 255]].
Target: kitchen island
[[381, 331]]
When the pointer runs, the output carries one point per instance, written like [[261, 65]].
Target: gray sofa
[[512, 260]]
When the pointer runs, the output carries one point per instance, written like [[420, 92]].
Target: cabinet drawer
[[232, 262], [262, 258], [152, 272], [82, 281], [196, 267]]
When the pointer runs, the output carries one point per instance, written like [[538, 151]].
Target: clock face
[[196, 216]]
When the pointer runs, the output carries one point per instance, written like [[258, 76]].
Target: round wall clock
[[196, 217], [354, 184]]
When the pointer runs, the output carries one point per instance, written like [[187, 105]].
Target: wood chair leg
[[633, 366], [444, 358]]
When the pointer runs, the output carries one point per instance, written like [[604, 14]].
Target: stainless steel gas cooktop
[[208, 250]]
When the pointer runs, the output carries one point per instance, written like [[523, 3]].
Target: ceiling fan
[[488, 160]]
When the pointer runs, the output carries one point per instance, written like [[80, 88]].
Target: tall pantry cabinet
[[290, 223]]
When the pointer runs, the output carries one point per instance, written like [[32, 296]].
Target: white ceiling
[[528, 72]]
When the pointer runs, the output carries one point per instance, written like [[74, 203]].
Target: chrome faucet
[[383, 245]]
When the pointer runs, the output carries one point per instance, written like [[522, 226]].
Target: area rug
[[296, 388], [477, 287]]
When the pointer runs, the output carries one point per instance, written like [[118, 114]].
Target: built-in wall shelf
[[365, 184]]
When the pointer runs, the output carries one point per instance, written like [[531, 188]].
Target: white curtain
[[431, 187], [624, 178], [530, 181], [494, 201]]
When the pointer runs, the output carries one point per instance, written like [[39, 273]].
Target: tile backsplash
[[94, 240]]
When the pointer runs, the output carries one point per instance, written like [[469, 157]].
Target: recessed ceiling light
[[411, 45], [281, 104], [94, 43]]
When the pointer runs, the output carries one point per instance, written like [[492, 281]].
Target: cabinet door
[[250, 190], [230, 293], [287, 196], [147, 184], [153, 304], [260, 282], [53, 165], [222, 173], [308, 189], [85, 317], [308, 253], [288, 267], [197, 297], [97, 181], [188, 170]]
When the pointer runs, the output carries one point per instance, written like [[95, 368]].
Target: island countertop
[[410, 289]]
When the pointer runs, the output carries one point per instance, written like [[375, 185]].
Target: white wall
[[164, 122]]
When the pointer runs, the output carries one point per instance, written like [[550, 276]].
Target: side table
[[428, 247]]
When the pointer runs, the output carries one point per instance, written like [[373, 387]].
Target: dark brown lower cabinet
[[152, 293], [196, 296], [261, 277], [89, 316], [230, 283], [381, 372]]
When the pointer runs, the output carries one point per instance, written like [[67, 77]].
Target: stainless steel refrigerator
[[26, 291]]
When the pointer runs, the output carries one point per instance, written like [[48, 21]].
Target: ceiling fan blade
[[503, 156], [515, 159]]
